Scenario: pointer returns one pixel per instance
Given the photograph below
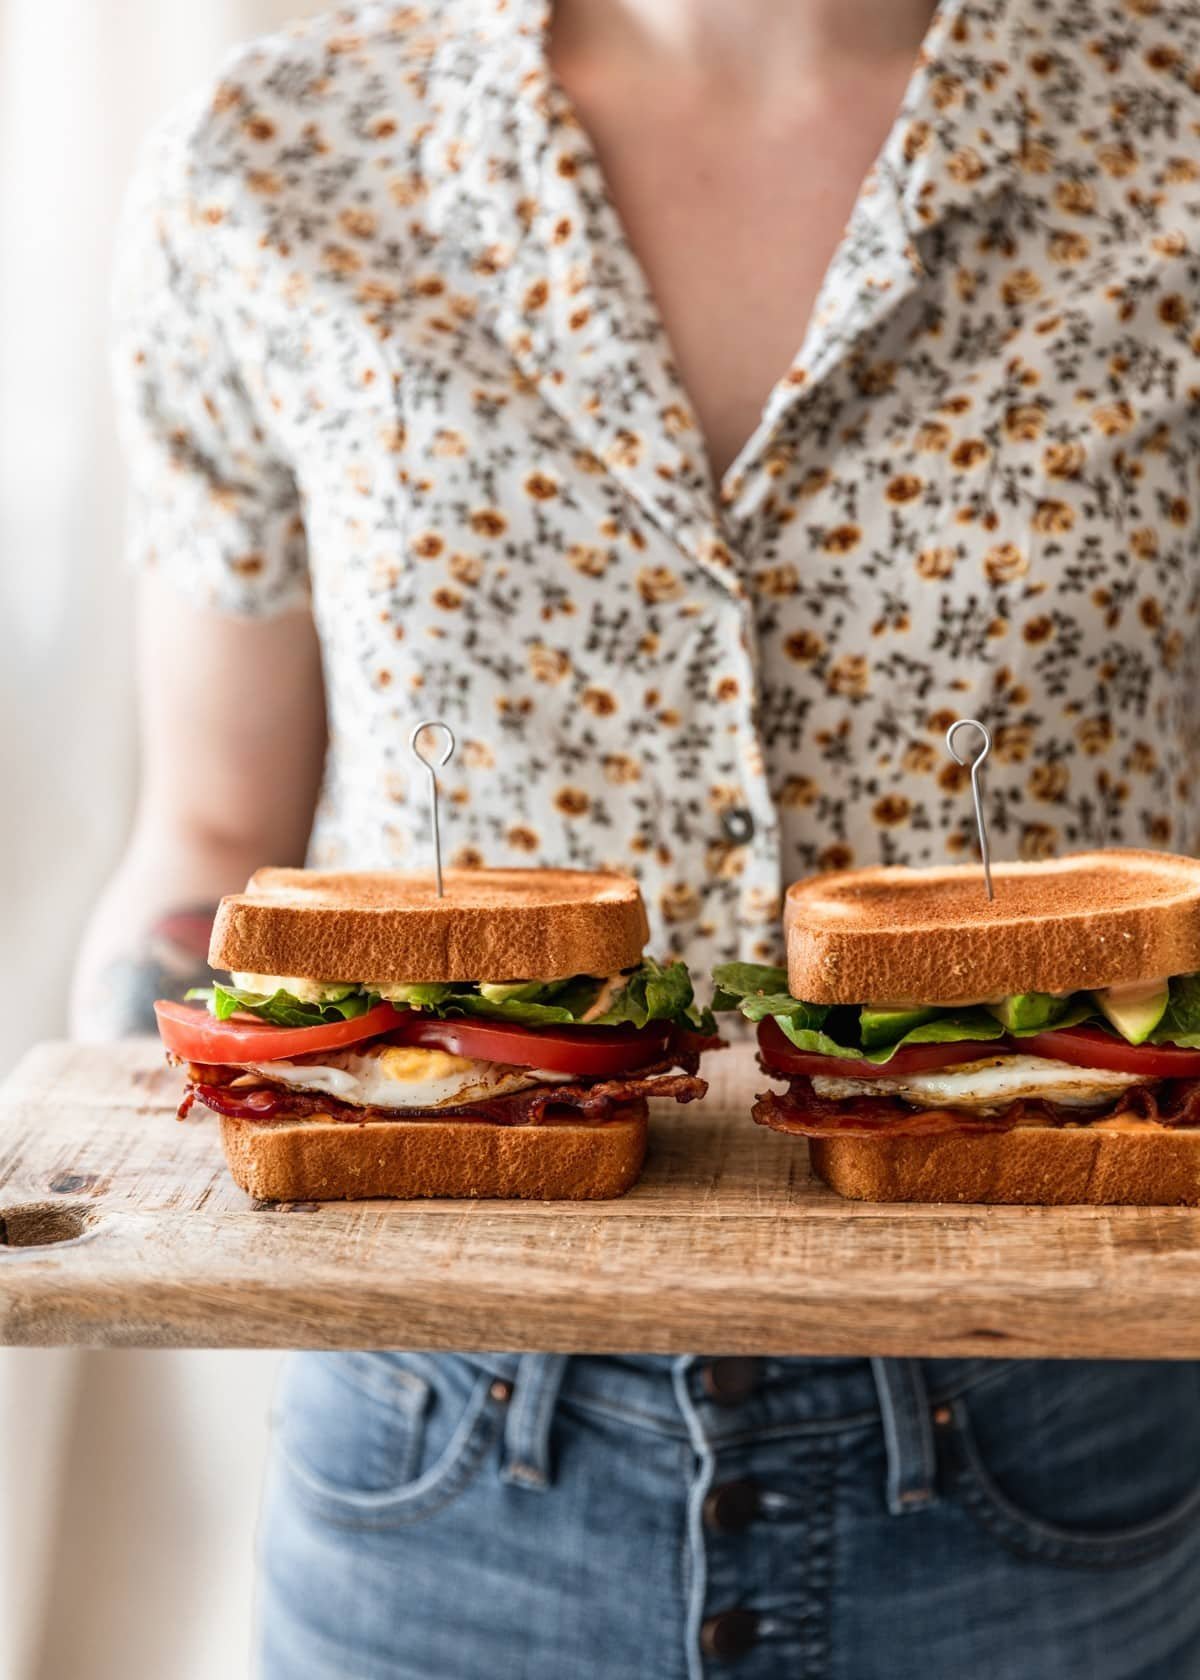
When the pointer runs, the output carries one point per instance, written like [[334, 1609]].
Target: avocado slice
[[417, 994], [884, 1026], [1135, 1010], [1029, 1012], [516, 991]]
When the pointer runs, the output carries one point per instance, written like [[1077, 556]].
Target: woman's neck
[[756, 46]]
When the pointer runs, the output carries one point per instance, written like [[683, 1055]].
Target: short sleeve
[[213, 507]]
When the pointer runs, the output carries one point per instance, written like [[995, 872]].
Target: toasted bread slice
[[930, 936], [492, 925], [1137, 1165], [319, 1160]]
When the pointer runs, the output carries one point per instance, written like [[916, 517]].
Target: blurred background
[[130, 1479]]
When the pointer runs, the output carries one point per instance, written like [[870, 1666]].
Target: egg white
[[402, 1076], [989, 1084]]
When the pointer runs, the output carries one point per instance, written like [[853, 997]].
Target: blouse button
[[738, 824]]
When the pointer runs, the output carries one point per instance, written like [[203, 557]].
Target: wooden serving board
[[727, 1246]]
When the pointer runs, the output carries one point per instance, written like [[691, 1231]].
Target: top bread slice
[[491, 925], [930, 936]]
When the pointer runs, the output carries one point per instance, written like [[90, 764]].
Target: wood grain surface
[[727, 1246]]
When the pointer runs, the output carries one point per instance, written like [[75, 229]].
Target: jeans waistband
[[780, 1394], [715, 1404]]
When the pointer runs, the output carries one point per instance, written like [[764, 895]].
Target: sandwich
[[373, 1039], [1043, 1047]]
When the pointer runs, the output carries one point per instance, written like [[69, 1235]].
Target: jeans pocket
[[383, 1440], [1083, 1465]]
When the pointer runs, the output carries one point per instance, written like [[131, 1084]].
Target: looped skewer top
[[976, 765], [432, 766]]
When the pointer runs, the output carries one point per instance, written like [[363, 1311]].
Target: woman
[[458, 320]]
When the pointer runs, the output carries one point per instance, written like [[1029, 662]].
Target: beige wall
[[130, 1479]]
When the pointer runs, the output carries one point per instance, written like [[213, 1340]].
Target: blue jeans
[[498, 1517]]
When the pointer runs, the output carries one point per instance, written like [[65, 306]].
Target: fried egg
[[402, 1076], [990, 1084]]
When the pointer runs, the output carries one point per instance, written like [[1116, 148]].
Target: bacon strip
[[799, 1110], [593, 1102]]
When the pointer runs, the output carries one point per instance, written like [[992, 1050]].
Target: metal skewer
[[432, 766], [976, 765]]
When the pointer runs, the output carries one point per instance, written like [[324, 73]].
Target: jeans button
[[732, 1506], [729, 1635], [730, 1381], [738, 824]]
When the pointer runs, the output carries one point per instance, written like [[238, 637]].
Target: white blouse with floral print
[[383, 343]]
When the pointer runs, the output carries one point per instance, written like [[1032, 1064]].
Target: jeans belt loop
[[530, 1414], [907, 1435]]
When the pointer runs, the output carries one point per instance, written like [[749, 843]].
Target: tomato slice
[[1093, 1047], [781, 1056], [586, 1051], [1080, 1046], [196, 1035]]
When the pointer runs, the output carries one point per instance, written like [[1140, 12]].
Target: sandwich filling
[[281, 1049], [1127, 1055], [382, 1075]]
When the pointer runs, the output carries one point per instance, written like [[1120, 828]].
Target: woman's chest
[[733, 239], [1007, 454]]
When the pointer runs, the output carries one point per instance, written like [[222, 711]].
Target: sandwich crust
[[317, 1160], [930, 936], [492, 925], [1134, 1165]]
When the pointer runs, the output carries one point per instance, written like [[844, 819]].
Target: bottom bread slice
[[1041, 1166], [317, 1160]]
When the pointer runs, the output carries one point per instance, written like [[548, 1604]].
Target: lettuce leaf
[[1181, 1023], [950, 1028], [757, 991], [520, 1014], [281, 1009], [807, 1016], [560, 1002], [656, 992], [651, 992], [734, 981]]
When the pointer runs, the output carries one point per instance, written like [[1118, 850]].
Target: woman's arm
[[232, 729]]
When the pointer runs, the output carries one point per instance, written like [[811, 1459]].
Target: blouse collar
[[565, 294]]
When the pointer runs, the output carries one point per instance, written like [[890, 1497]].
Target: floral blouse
[[384, 345]]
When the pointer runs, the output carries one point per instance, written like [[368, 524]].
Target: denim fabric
[[544, 1518]]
